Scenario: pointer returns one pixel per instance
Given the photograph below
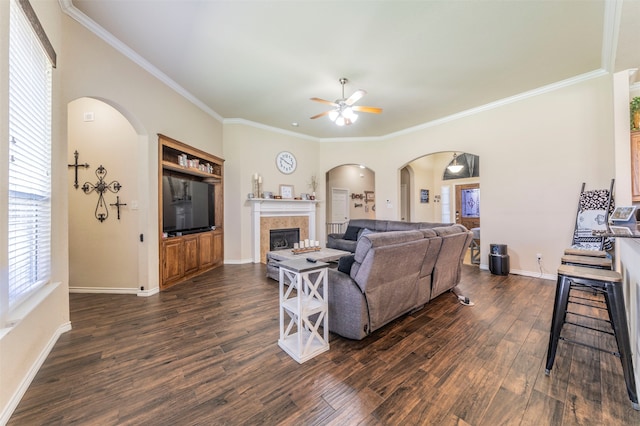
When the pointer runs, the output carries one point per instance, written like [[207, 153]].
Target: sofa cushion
[[345, 263], [450, 230], [364, 231], [351, 233]]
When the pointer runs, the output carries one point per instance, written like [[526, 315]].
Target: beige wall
[[96, 247], [248, 150]]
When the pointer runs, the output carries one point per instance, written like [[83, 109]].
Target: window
[[445, 204], [29, 183]]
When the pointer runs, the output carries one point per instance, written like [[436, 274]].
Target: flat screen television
[[187, 205]]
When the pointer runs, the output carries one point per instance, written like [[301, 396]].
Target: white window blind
[[29, 203]]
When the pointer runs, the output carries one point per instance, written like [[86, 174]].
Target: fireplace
[[280, 214], [280, 239]]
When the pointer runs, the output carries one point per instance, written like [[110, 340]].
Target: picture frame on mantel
[[286, 191]]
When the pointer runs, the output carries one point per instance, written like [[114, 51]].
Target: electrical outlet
[[539, 256]]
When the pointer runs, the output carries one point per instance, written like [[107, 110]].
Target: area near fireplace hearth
[[270, 214]]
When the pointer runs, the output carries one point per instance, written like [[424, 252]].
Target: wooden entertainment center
[[186, 255]]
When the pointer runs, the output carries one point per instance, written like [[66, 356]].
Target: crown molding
[[502, 102], [73, 12], [256, 125], [610, 33]]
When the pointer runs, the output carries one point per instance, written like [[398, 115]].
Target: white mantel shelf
[[265, 207]]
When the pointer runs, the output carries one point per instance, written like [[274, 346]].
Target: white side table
[[300, 300]]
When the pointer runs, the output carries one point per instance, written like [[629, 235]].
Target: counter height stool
[[584, 252], [587, 261], [609, 284]]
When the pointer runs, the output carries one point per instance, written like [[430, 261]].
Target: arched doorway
[[350, 194], [105, 251], [437, 192]]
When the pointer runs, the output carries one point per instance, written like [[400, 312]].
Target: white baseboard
[[147, 293], [551, 277], [108, 290], [31, 374], [237, 261]]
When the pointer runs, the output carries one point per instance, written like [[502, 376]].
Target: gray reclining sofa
[[348, 240], [392, 273]]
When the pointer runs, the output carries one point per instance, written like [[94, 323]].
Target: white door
[[404, 203], [339, 205]]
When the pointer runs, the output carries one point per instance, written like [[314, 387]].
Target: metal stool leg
[[557, 321]]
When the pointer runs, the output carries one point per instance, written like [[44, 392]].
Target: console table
[[304, 304]]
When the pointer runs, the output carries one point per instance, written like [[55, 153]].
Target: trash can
[[498, 259]]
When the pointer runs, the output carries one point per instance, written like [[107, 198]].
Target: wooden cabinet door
[[173, 267], [218, 248], [206, 250], [190, 254], [635, 166]]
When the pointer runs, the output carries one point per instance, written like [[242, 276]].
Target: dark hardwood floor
[[206, 353]]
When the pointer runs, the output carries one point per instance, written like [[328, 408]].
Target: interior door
[[339, 205], [468, 205], [404, 203]]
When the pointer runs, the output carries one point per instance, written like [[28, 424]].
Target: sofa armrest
[[348, 313]]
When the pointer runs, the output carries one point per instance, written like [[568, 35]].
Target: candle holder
[[256, 181]]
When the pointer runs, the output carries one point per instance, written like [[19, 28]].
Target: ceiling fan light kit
[[343, 113]]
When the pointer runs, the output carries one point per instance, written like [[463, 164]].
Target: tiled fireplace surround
[[280, 214]]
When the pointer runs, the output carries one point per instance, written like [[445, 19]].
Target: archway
[[436, 193], [105, 232], [350, 195]]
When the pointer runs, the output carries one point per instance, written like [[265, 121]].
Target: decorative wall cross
[[117, 205], [102, 212], [75, 165]]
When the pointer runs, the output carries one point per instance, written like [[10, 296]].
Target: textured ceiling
[[420, 61]]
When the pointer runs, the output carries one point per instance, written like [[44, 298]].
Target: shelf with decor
[[189, 180]]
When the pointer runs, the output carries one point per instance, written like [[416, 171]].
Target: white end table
[[300, 300]]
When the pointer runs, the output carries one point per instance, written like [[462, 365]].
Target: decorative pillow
[[345, 262], [592, 220], [364, 231], [351, 233]]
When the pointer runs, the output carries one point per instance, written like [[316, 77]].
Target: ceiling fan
[[343, 112]]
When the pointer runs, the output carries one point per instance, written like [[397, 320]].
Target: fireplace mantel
[[264, 207]]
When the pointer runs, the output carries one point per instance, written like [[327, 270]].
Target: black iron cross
[[102, 213], [76, 165], [117, 204]]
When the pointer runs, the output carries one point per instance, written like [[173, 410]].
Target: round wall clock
[[286, 162]]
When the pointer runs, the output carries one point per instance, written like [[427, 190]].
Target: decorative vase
[[636, 120]]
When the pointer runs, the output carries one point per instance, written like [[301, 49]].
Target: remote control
[[311, 260]]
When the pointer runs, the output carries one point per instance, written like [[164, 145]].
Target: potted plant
[[634, 109], [313, 185]]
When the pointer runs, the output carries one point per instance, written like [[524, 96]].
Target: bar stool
[[584, 252], [609, 284], [587, 261]]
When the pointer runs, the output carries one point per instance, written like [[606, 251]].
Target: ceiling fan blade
[[322, 101], [357, 95], [372, 110], [322, 114]]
